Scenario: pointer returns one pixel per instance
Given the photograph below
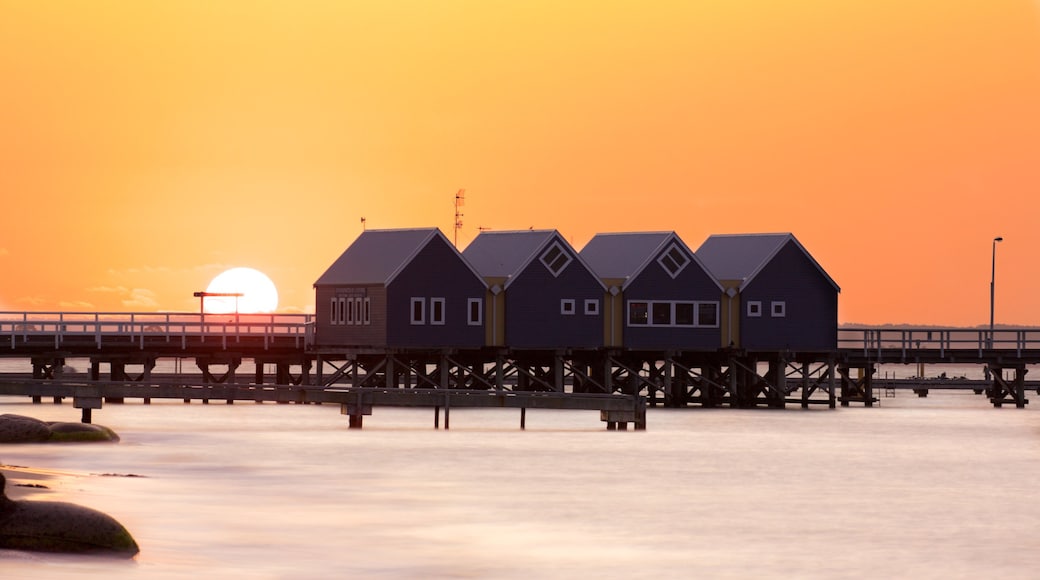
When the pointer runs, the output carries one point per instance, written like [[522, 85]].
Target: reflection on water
[[934, 487]]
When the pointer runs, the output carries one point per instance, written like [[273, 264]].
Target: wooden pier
[[129, 356]]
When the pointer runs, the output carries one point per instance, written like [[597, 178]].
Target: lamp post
[[992, 283]]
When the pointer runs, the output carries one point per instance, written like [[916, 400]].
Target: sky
[[146, 146]]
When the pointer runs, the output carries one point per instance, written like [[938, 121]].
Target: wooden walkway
[[617, 411]]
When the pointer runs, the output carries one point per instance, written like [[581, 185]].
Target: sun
[[259, 294]]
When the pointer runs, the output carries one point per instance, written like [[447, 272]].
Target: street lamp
[[992, 282]]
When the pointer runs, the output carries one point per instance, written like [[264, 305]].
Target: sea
[[943, 486]]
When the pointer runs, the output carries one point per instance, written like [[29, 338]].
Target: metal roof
[[507, 253], [622, 254], [376, 256], [742, 256]]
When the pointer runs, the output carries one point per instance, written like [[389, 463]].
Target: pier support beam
[[1003, 392]]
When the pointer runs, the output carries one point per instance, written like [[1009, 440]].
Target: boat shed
[[660, 296], [542, 294], [400, 288], [783, 298]]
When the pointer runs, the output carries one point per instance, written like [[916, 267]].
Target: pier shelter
[[660, 296], [544, 294], [777, 296], [401, 288]]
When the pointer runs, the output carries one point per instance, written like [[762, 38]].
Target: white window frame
[[350, 310], [678, 267], [592, 307], [357, 310], [333, 310], [479, 319], [421, 319], [368, 310], [342, 310], [567, 306], [778, 309], [696, 304], [434, 319], [563, 252], [754, 308]]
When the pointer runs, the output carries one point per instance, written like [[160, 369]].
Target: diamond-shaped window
[[673, 260], [555, 258]]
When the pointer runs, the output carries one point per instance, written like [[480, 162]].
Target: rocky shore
[[22, 429]]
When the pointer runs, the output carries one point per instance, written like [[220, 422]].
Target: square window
[[673, 260], [418, 311], [436, 311], [592, 307], [555, 258], [684, 313], [778, 309], [708, 314], [754, 309], [637, 313], [661, 313], [567, 306], [475, 309]]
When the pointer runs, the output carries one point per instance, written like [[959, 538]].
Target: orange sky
[[146, 146]]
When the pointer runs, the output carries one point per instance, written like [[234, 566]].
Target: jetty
[[272, 358]]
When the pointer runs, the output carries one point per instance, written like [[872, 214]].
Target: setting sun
[[259, 294]]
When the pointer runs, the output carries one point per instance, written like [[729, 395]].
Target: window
[[661, 313], [475, 310], [368, 310], [567, 306], [778, 309], [592, 307], [418, 311], [637, 313], [436, 311], [708, 314], [684, 313], [555, 258], [350, 310], [674, 313], [334, 311], [357, 310], [342, 310], [754, 309], [673, 260]]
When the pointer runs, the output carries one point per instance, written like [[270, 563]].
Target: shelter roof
[[377, 256], [507, 253], [742, 256]]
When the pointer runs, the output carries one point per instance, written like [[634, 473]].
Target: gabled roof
[[507, 253], [627, 254], [742, 256], [378, 256]]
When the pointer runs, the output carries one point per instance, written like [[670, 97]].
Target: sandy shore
[[26, 482]]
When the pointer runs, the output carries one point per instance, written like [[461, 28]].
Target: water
[[941, 487]]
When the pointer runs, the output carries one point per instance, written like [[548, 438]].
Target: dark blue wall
[[533, 318], [811, 321], [437, 271], [653, 283]]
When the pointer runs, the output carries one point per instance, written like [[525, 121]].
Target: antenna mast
[[460, 200]]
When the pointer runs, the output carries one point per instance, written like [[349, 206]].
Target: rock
[[81, 432], [21, 429], [47, 526]]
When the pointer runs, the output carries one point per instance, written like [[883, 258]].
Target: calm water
[[943, 487]]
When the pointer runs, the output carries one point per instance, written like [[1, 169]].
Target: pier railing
[[879, 342], [137, 327]]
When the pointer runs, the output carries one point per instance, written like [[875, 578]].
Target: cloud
[[109, 289], [76, 305], [31, 300], [141, 298]]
